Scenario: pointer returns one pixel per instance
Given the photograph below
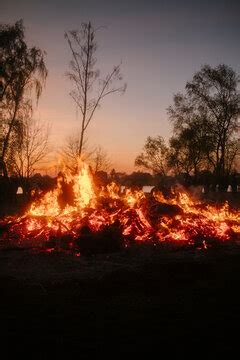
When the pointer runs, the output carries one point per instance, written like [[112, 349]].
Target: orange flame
[[76, 202]]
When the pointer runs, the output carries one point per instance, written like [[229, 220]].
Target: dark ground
[[152, 304]]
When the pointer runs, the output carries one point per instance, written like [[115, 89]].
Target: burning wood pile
[[81, 218]]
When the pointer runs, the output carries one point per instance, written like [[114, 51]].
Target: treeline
[[23, 140], [140, 179], [205, 122]]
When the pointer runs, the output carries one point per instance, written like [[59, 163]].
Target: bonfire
[[79, 217]]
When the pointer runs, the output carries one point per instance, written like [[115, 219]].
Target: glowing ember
[[77, 211]]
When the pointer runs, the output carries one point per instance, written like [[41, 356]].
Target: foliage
[[211, 105], [22, 72], [189, 148]]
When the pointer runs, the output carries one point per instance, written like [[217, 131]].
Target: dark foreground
[[155, 305]]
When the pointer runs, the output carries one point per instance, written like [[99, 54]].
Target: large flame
[[77, 203]]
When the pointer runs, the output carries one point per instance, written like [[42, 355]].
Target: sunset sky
[[160, 43]]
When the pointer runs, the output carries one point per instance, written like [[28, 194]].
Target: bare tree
[[100, 160], [31, 150], [70, 150], [154, 156], [88, 88]]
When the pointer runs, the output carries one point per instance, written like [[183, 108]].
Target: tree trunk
[[3, 168], [6, 142]]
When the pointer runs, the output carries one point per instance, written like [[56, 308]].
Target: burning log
[[155, 210], [109, 239]]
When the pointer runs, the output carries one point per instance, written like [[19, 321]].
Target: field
[[139, 302]]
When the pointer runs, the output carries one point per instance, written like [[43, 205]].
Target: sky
[[160, 44]]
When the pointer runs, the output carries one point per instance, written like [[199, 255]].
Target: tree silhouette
[[189, 148], [154, 156], [88, 88], [99, 160], [212, 101], [31, 149], [22, 70]]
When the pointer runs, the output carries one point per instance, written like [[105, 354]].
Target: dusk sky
[[160, 43]]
